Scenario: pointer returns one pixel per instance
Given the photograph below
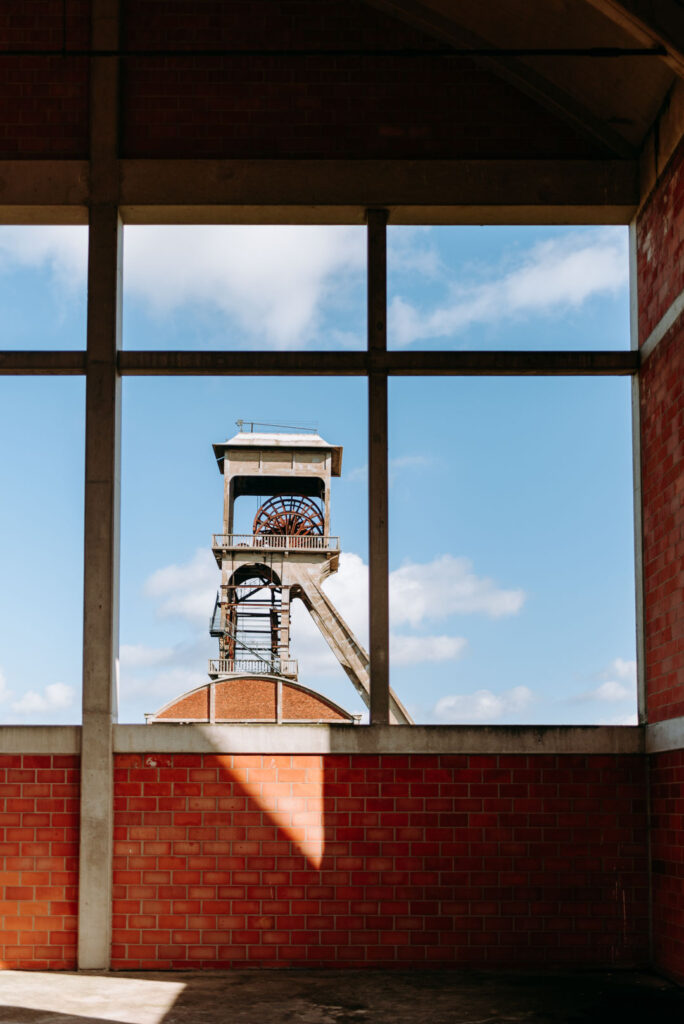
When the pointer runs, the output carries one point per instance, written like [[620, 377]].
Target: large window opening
[[279, 286], [511, 550], [510, 579], [41, 550], [235, 534]]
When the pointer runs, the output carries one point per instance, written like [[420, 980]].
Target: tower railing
[[275, 542], [253, 666]]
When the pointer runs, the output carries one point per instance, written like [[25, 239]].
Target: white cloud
[[631, 718], [63, 250], [482, 705], [611, 690], [187, 591], [411, 461], [410, 250], [271, 280], [554, 275], [418, 594], [5, 692], [619, 685], [447, 586], [141, 656], [623, 670], [359, 474], [151, 676], [412, 650], [54, 697]]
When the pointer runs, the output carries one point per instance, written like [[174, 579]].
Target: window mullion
[[378, 546]]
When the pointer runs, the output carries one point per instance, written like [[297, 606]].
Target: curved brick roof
[[251, 699]]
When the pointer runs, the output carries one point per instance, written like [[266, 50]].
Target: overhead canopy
[[294, 111], [280, 442]]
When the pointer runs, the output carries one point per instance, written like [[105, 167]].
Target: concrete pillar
[[378, 555], [636, 480], [101, 597], [102, 488]]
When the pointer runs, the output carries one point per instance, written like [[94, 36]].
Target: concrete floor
[[338, 997]]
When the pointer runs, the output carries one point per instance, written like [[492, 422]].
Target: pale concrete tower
[[286, 554]]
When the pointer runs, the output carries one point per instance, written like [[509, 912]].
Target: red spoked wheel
[[289, 515]]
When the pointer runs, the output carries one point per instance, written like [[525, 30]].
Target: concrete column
[[636, 480], [100, 594], [378, 556], [102, 489], [101, 589]]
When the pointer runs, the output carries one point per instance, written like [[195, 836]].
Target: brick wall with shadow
[[234, 860]]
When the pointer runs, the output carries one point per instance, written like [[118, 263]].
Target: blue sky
[[510, 507]]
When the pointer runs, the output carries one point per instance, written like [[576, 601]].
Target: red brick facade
[[38, 861], [660, 280], [262, 106], [358, 860], [662, 439], [660, 267], [367, 860], [660, 247], [254, 700], [667, 861], [43, 100]]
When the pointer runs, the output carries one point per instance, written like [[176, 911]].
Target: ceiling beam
[[361, 363], [36, 362], [307, 363], [414, 191], [44, 191], [329, 191], [523, 78], [659, 22]]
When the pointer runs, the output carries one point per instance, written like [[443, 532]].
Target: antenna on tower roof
[[248, 427]]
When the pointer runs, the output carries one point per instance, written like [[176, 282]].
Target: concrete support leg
[[101, 561], [378, 556], [101, 554]]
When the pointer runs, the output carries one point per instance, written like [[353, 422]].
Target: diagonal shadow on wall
[[285, 860]]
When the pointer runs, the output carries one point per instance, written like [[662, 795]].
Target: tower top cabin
[[271, 463]]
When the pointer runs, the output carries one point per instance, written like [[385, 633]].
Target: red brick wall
[[43, 99], [38, 861], [315, 106], [662, 440], [370, 860], [262, 106], [660, 246], [660, 269], [667, 861]]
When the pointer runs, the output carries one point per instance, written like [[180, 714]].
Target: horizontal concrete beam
[[661, 736], [44, 191], [401, 364], [325, 739], [456, 191], [42, 363], [377, 739], [329, 191], [40, 739], [333, 364]]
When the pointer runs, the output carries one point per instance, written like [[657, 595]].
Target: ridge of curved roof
[[153, 717]]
